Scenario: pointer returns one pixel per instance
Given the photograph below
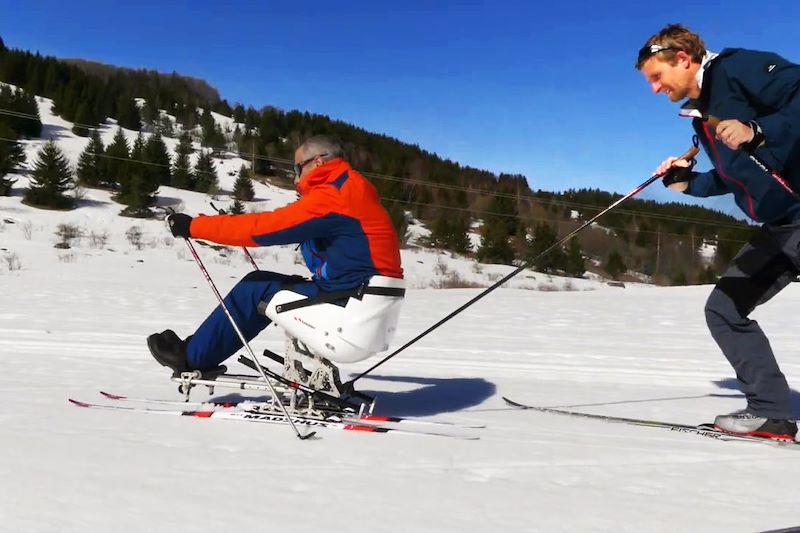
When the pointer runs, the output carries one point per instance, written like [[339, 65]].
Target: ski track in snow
[[74, 322]]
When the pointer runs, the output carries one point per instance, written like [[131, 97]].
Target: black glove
[[678, 175], [179, 224], [757, 140]]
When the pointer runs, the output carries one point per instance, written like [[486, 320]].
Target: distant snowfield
[[74, 322]]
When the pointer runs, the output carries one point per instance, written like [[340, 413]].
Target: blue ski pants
[[216, 340]]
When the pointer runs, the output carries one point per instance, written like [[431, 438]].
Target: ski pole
[[713, 121], [688, 156], [245, 343], [244, 248]]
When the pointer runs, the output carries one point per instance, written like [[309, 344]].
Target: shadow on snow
[[733, 384], [431, 396]]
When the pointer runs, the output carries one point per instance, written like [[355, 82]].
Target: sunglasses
[[647, 51], [298, 167]]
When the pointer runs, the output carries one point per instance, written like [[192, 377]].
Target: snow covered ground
[[73, 322]]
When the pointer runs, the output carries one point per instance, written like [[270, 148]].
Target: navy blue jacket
[[747, 85]]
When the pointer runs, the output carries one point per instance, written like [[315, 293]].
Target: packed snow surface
[[74, 321]]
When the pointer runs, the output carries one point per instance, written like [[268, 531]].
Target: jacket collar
[[703, 65], [323, 174], [708, 67]]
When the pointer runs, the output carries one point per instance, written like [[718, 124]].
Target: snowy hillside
[[423, 267], [74, 322]]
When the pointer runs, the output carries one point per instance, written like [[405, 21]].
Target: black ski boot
[[169, 350]]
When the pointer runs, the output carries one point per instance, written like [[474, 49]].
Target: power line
[[424, 204], [460, 188]]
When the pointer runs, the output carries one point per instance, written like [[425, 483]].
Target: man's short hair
[[322, 145], [668, 42]]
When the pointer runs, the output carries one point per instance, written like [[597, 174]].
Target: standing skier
[[346, 237], [756, 97]]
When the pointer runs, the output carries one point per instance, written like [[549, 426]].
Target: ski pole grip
[[712, 121], [690, 154]]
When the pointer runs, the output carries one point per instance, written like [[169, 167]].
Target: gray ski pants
[[761, 269]]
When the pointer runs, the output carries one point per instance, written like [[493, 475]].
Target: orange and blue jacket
[[346, 235]]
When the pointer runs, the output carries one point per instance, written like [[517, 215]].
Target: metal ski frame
[[245, 343], [347, 387]]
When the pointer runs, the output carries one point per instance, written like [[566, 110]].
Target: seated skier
[[346, 238]]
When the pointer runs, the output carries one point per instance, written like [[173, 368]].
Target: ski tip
[[308, 436], [78, 403], [515, 404], [112, 396]]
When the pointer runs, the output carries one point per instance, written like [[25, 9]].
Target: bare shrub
[[78, 193], [13, 262], [134, 236], [27, 230], [569, 286], [69, 257], [454, 281], [222, 259], [441, 267], [547, 287], [67, 233], [181, 254], [98, 240], [168, 241], [477, 268]]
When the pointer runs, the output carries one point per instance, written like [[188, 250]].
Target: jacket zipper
[[721, 172]]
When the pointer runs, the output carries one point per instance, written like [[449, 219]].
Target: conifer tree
[[157, 156], [138, 191], [615, 265], [450, 231], [128, 113], [134, 171], [205, 173], [165, 127], [83, 118], [12, 155], [243, 186], [50, 179], [238, 113], [118, 153], [237, 208], [495, 247], [182, 176], [91, 167], [543, 238], [150, 113], [575, 264], [19, 101]]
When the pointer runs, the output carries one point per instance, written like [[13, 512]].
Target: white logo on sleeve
[[771, 68]]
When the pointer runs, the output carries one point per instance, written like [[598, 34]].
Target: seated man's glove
[[179, 224]]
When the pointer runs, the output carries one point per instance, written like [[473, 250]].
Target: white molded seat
[[360, 329]]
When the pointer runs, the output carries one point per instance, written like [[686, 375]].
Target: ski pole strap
[[328, 297]]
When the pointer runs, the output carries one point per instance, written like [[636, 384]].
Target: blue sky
[[548, 91]]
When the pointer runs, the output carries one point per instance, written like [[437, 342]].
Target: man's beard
[[676, 95]]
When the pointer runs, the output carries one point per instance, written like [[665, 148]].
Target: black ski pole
[[244, 342], [348, 386], [244, 248]]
